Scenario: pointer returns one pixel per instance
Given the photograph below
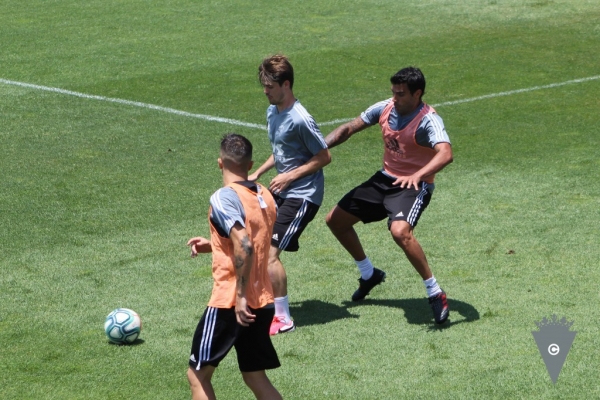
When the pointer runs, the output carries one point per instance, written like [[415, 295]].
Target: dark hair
[[412, 76], [276, 68], [236, 148]]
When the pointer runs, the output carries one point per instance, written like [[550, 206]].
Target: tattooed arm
[[343, 132], [243, 259]]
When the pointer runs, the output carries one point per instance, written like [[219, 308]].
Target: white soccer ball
[[123, 326]]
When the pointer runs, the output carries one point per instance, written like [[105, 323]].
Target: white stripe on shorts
[[207, 335], [293, 228], [414, 211]]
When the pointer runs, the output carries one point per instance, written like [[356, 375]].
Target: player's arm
[[343, 132], [267, 165], [243, 259], [199, 245], [317, 162], [442, 158]]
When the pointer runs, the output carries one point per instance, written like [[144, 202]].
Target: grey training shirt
[[296, 138]]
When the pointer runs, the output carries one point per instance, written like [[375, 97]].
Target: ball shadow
[[136, 342]]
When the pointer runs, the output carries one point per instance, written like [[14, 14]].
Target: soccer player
[[240, 310], [416, 147], [299, 155]]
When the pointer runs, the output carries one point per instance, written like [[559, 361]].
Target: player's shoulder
[[299, 111], [225, 195], [302, 120], [371, 115], [271, 110], [224, 191], [432, 117], [379, 105], [261, 190], [376, 109]]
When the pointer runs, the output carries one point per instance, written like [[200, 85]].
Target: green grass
[[99, 198]]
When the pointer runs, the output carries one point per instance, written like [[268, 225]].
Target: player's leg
[[282, 321], [402, 232], [277, 273], [200, 383], [341, 223], [256, 354], [215, 335], [405, 208], [363, 203], [293, 215], [261, 386]]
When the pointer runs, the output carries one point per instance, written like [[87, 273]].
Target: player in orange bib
[[240, 309], [416, 147]]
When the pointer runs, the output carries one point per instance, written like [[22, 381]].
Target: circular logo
[[553, 349]]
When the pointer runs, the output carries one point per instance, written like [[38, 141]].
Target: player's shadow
[[416, 311], [317, 312]]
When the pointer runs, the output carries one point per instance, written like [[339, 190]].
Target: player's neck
[[230, 176], [412, 111], [288, 102]]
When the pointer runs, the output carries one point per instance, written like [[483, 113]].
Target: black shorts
[[377, 199], [293, 215], [218, 331]]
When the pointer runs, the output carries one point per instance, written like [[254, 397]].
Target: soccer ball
[[123, 326]]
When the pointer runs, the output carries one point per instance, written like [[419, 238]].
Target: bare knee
[[275, 267], [339, 220], [402, 234], [251, 380], [200, 383], [260, 385], [274, 253]]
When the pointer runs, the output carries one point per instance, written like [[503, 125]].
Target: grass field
[[99, 196]]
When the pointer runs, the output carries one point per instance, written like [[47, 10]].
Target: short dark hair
[[276, 68], [236, 148], [412, 76]]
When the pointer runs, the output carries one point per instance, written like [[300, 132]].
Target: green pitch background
[[98, 198]]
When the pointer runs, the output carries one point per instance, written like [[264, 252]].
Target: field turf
[[111, 115]]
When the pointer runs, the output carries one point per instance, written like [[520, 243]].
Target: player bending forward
[[416, 148], [240, 309]]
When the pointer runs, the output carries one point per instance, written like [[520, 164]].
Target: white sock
[[282, 308], [432, 287], [365, 267]]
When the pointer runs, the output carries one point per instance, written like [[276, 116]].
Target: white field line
[[135, 104], [258, 126], [490, 96]]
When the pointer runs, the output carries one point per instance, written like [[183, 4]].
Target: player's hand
[[408, 182], [253, 178], [242, 313], [280, 182], [199, 245]]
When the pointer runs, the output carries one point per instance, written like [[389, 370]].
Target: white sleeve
[[432, 131], [227, 209]]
